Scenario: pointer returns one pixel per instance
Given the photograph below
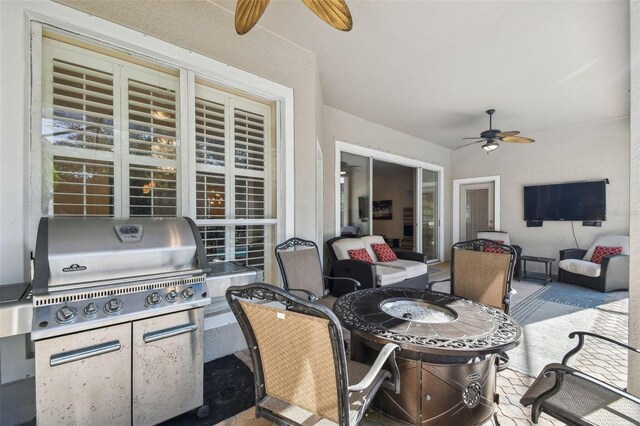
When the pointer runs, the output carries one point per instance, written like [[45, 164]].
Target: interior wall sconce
[[333, 12]]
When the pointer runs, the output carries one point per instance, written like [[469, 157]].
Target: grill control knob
[[188, 293], [172, 296], [91, 310], [153, 299], [66, 314], [113, 306]]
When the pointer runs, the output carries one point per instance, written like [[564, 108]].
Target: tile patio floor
[[601, 360]]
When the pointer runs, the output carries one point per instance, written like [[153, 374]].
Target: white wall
[[341, 126], [594, 151], [634, 279]]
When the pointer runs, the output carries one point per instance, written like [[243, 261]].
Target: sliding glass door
[[355, 194], [430, 216], [396, 197]]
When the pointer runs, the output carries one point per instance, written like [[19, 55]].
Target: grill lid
[[75, 251]]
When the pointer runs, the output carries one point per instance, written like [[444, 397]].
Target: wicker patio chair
[[482, 270], [577, 398], [299, 263], [302, 375]]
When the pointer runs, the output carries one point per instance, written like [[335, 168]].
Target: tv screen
[[566, 201]]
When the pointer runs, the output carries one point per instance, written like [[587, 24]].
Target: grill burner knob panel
[[153, 299], [172, 296], [91, 310], [66, 314], [113, 306], [188, 293]]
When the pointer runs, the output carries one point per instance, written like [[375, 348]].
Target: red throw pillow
[[384, 252], [360, 254], [493, 248], [600, 252]]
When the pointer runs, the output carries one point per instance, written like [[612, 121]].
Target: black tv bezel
[[568, 219]]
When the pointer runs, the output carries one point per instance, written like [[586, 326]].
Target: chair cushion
[[411, 267], [368, 241], [358, 401], [342, 246], [495, 236], [608, 241], [600, 252], [384, 252], [386, 275], [580, 267], [493, 248], [360, 254]]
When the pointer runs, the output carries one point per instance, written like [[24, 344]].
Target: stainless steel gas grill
[[118, 320]]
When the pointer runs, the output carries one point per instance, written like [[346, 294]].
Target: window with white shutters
[[234, 178], [89, 99], [114, 142]]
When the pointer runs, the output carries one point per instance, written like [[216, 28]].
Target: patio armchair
[[482, 270], [302, 375], [577, 398], [504, 237], [299, 263], [602, 273]]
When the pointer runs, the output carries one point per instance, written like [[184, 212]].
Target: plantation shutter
[[152, 149], [78, 144], [477, 211], [110, 142]]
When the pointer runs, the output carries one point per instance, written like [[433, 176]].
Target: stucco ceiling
[[431, 68]]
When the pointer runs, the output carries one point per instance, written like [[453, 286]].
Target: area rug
[[228, 390], [547, 314]]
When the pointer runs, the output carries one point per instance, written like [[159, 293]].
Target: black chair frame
[[294, 242]]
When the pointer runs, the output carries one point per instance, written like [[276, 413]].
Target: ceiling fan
[[333, 12], [492, 136]]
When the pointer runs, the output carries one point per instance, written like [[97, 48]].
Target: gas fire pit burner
[[416, 311]]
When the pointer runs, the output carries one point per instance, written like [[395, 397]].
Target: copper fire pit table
[[448, 355]]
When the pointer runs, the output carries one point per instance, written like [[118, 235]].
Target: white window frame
[[374, 154], [120, 38]]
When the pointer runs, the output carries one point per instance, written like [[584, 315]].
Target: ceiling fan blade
[[248, 12], [472, 138], [505, 134], [468, 144], [333, 12], [517, 139]]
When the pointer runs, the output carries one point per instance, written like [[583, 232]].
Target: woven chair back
[[481, 276], [301, 269], [297, 358]]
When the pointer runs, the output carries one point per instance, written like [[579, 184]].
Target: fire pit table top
[[427, 321]]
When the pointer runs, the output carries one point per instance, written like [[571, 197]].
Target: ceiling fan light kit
[[333, 12], [492, 136], [490, 146]]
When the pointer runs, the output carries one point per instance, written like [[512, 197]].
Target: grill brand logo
[[74, 268], [473, 377]]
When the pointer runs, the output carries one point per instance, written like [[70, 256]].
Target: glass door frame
[[417, 165]]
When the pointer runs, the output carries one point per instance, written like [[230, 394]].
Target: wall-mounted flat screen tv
[[566, 201]]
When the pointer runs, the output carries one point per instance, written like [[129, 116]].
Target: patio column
[[634, 200]]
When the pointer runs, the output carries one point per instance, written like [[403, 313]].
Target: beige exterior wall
[[594, 151], [343, 127], [634, 284]]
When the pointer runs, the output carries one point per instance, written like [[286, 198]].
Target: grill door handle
[[80, 354], [169, 332]]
